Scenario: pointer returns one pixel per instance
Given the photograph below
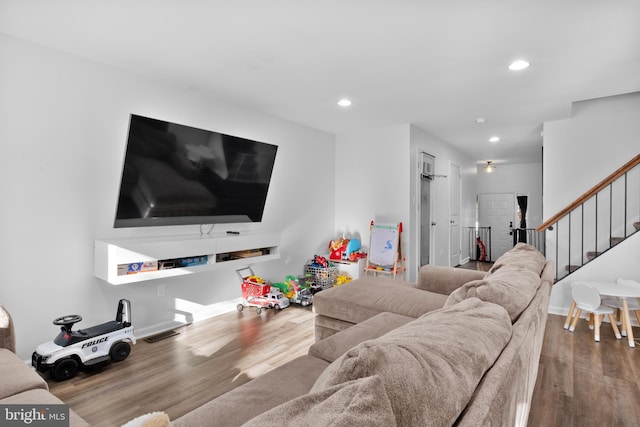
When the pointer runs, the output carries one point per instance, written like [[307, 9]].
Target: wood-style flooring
[[580, 382], [180, 373], [586, 383]]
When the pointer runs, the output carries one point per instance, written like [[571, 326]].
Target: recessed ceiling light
[[480, 120], [494, 139], [344, 102], [518, 65]]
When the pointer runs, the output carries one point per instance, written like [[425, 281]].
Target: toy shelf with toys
[[129, 260], [347, 256]]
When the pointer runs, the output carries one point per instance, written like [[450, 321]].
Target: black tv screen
[[176, 175]]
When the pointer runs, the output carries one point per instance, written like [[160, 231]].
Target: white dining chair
[[587, 299]]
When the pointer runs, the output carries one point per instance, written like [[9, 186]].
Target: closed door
[[454, 215], [497, 210]]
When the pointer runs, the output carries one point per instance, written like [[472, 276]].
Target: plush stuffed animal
[[152, 419]]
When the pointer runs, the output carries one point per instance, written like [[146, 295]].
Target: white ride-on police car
[[70, 350]]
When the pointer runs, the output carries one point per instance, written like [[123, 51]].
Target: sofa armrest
[[444, 280], [7, 333]]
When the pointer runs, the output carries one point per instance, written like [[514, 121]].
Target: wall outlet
[[161, 290]]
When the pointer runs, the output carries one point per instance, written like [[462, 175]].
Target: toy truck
[[258, 293], [98, 344], [302, 296], [294, 292]]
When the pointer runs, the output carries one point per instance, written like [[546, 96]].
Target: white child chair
[[587, 299], [616, 303]]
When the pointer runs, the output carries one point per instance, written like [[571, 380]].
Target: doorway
[[497, 210], [427, 166]]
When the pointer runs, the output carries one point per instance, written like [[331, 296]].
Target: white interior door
[[454, 215], [497, 210]]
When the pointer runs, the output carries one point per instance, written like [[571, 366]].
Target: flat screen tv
[[176, 175]]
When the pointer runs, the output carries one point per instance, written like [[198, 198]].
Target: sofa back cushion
[[421, 362], [511, 283], [362, 402], [523, 256]]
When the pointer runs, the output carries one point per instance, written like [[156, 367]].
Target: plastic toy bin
[[322, 276], [253, 289], [249, 287]]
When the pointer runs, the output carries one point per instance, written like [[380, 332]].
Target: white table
[[622, 291]]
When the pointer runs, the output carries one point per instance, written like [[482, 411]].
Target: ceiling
[[439, 64]]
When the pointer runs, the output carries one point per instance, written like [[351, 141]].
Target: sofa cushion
[[362, 402], [511, 283], [365, 297], [331, 348], [444, 280], [324, 327], [293, 379], [420, 361], [17, 376]]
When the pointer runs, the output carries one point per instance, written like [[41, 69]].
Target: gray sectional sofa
[[19, 383], [458, 347]]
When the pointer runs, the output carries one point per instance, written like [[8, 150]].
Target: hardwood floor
[[580, 382], [180, 373], [586, 383]]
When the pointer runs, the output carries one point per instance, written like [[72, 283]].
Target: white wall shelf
[[230, 251]]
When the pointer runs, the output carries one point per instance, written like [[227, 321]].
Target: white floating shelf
[[114, 256]]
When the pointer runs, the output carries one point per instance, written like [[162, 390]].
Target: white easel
[[385, 250]]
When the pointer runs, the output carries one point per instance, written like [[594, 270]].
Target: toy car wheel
[[240, 307], [119, 351], [258, 310], [64, 369], [277, 306], [305, 303]]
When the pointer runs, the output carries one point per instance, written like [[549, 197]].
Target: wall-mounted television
[[177, 175]]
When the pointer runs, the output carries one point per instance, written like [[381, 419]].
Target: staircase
[[596, 222]]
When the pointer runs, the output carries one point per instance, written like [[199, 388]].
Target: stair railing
[[596, 221], [531, 236]]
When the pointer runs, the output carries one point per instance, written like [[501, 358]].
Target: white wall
[[63, 123], [371, 181], [376, 174], [602, 135]]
